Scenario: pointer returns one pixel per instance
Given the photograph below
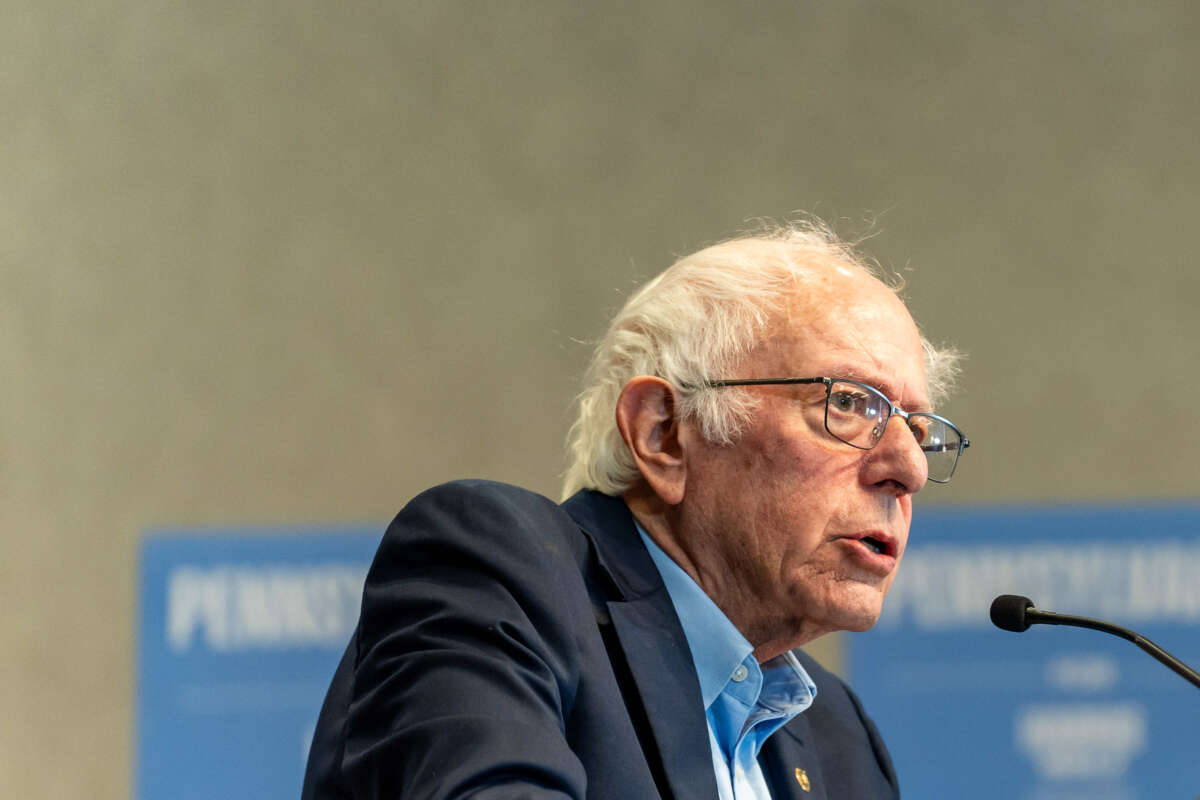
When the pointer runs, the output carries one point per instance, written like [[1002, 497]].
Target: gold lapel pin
[[802, 779]]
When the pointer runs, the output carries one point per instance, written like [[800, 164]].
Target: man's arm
[[465, 664]]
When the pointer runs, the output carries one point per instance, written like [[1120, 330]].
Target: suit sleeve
[[465, 669]]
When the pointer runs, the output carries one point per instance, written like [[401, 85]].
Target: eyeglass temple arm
[[754, 382]]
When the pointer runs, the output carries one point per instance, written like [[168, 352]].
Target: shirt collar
[[787, 686], [717, 646]]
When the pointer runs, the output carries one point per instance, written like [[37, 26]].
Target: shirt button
[[739, 674]]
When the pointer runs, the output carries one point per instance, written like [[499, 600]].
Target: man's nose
[[898, 459]]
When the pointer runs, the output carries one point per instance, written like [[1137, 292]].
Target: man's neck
[[660, 522]]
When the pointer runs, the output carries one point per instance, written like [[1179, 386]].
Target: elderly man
[[753, 428]]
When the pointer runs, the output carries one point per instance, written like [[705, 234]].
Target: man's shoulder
[[477, 505], [474, 513], [472, 491], [486, 551]]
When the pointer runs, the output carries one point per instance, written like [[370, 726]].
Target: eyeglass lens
[[858, 415]]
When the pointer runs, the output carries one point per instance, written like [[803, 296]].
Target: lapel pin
[[802, 779]]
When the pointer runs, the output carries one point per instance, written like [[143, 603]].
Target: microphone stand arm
[[1037, 616]]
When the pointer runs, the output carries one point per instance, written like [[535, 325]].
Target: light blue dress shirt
[[744, 703]]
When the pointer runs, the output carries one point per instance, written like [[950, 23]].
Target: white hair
[[694, 322]]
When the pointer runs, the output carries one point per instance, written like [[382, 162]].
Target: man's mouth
[[875, 545], [875, 552], [878, 543]]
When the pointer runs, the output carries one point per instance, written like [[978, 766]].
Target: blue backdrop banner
[[1054, 713], [240, 632]]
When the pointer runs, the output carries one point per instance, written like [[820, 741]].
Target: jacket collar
[[654, 647], [661, 664], [609, 524]]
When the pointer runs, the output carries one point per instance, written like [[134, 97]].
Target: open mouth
[[874, 544]]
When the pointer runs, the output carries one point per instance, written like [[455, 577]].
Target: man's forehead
[[854, 328], [831, 281]]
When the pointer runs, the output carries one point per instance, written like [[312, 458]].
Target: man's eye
[[848, 402]]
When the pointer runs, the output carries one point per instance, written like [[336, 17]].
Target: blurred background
[[291, 263]]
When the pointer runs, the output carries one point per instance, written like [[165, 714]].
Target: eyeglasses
[[858, 414]]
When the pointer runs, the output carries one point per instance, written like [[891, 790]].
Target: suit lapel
[[655, 648], [661, 665], [790, 763]]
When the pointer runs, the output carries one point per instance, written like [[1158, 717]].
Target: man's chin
[[859, 613], [846, 605], [861, 625]]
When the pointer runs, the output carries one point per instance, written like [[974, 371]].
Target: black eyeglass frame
[[963, 442]]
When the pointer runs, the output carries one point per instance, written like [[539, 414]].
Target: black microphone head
[[1008, 612]]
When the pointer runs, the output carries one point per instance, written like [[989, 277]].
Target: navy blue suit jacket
[[509, 647]]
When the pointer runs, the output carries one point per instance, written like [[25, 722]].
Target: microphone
[[1014, 613]]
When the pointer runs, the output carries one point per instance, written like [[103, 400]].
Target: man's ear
[[648, 422]]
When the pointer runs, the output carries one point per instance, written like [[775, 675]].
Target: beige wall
[[294, 261]]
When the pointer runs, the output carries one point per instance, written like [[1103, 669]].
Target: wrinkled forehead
[[841, 321]]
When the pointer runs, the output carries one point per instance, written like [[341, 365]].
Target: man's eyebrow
[[882, 384], [853, 374]]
